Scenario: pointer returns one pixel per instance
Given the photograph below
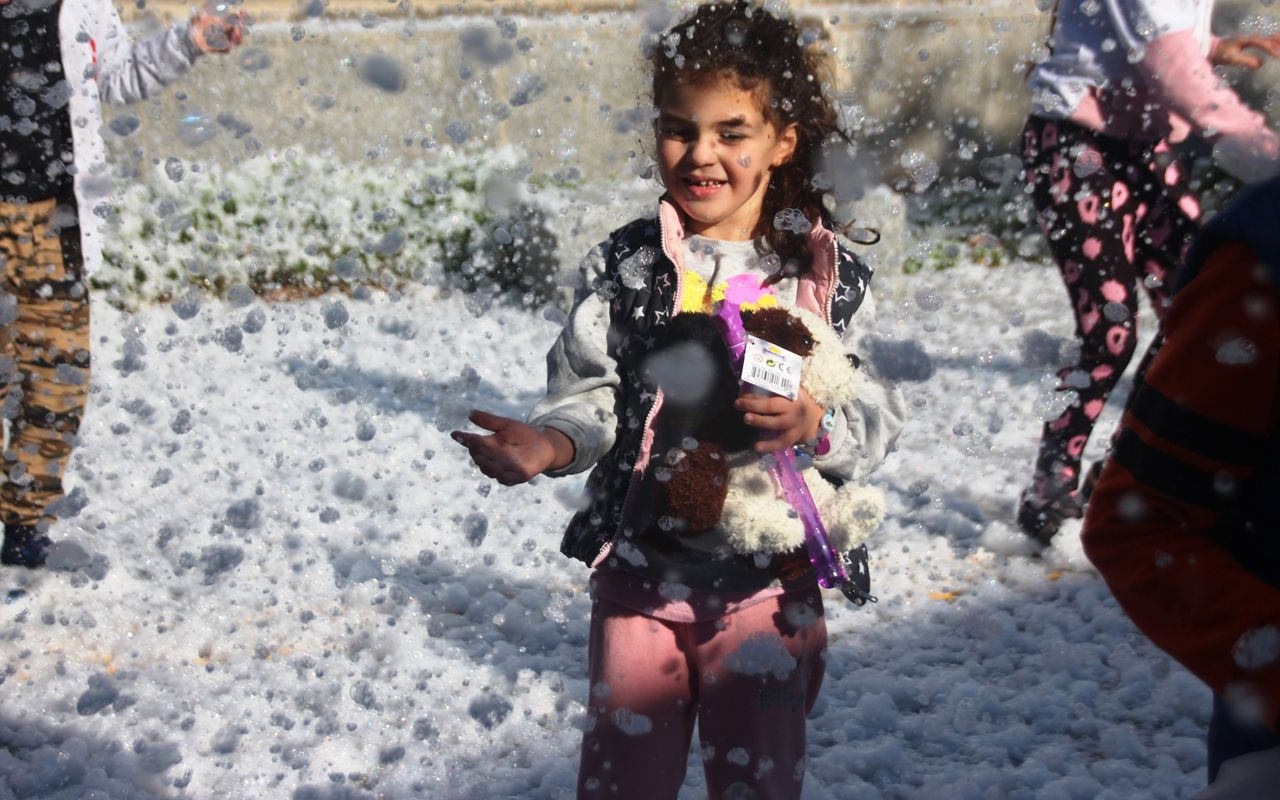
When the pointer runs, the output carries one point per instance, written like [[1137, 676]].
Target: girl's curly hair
[[769, 56]]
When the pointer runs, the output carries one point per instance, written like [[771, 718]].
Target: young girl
[[1121, 83], [687, 626]]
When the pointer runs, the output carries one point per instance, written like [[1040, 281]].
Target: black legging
[[1115, 213]]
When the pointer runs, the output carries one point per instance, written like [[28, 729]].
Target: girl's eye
[[729, 136]]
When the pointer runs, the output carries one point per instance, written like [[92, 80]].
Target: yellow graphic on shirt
[[697, 299]]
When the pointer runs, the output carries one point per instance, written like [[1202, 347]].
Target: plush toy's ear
[[827, 375], [692, 491], [778, 326]]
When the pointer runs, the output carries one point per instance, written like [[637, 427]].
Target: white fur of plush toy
[[757, 517]]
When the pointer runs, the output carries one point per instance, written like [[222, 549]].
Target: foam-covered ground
[[278, 577]]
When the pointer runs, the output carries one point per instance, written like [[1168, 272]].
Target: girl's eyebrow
[[732, 122]]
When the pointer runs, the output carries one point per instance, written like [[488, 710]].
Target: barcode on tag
[[782, 384], [768, 366]]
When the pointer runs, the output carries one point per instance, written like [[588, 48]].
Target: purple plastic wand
[[782, 466]]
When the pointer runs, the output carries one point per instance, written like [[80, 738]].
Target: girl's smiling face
[[716, 151]]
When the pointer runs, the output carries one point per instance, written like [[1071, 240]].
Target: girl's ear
[[785, 147]]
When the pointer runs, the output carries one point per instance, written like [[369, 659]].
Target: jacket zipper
[[834, 279], [645, 429]]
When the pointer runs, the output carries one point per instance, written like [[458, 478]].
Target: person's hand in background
[[1249, 52], [217, 27]]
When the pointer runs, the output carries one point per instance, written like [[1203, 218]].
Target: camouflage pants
[[44, 352]]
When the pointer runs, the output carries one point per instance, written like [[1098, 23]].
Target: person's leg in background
[[1083, 189], [46, 356], [1167, 222]]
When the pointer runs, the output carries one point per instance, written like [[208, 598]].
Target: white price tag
[[770, 367]]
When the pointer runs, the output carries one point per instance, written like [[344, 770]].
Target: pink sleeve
[[1177, 70]]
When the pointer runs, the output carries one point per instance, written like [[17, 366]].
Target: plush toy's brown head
[[777, 326]]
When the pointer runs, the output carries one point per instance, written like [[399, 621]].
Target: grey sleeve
[[582, 377], [130, 71], [866, 428]]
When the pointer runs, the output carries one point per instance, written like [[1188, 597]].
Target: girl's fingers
[[763, 405], [787, 437], [771, 422], [467, 440], [490, 422]]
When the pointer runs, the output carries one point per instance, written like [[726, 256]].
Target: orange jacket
[[1195, 433]]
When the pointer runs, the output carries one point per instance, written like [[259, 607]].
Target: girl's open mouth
[[702, 189]]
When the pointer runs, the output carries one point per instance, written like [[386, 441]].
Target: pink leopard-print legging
[[1116, 213]]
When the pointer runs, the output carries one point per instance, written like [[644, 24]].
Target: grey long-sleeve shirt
[[582, 380]]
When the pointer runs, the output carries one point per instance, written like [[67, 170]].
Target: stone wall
[[294, 10], [942, 81]]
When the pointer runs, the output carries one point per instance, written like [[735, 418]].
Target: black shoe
[[24, 546], [1041, 521]]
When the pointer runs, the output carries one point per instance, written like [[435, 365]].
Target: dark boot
[[1041, 518], [24, 546]]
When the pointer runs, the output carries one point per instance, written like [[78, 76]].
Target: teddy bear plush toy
[[714, 478]]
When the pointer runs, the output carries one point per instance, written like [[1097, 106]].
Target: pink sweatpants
[[748, 678]]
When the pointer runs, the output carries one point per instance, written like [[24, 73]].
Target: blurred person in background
[[1124, 80], [1184, 523], [59, 59]]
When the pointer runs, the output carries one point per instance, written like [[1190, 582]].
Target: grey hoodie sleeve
[[130, 71], [866, 428], [582, 377]]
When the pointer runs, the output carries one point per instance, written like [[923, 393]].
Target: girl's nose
[[702, 150]]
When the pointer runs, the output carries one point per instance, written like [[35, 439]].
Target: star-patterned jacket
[[633, 283]]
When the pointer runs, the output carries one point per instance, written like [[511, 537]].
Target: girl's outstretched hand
[[791, 421], [514, 452], [1245, 51]]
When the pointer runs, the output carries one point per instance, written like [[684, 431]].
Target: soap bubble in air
[[124, 125], [529, 88], [383, 72], [791, 219], [921, 168], [196, 129], [635, 269], [1087, 162], [735, 33], [1000, 169], [336, 315], [254, 59], [928, 299]]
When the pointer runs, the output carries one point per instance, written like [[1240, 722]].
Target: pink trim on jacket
[[816, 285]]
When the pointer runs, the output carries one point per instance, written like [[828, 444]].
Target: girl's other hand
[[1235, 51], [791, 421], [513, 452]]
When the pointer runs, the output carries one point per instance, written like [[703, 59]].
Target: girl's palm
[[512, 453]]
